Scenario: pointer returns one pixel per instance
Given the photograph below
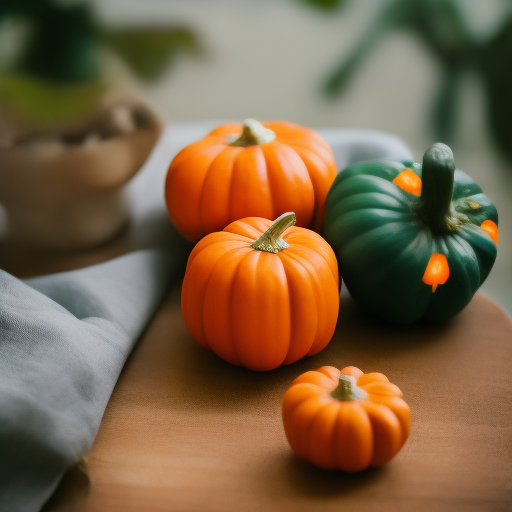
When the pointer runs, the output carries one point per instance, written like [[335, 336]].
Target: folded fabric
[[64, 338], [63, 342]]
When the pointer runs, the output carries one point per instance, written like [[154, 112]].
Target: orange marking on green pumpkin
[[437, 271], [409, 181], [491, 229]]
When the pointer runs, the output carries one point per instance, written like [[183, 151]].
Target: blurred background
[[425, 70]]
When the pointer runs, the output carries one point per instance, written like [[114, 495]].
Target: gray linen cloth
[[64, 338]]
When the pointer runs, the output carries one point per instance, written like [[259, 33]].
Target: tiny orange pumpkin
[[258, 300], [247, 170], [345, 419]]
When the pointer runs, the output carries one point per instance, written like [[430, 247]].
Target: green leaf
[[149, 51], [445, 108], [340, 77], [63, 45], [497, 74], [326, 5]]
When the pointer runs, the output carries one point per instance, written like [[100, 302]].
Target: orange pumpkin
[[249, 170], [345, 420], [258, 300]]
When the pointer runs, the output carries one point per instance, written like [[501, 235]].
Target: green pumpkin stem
[[347, 389], [254, 134], [437, 189], [271, 240]]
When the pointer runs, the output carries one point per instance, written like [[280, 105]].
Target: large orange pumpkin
[[345, 420], [259, 300], [249, 170]]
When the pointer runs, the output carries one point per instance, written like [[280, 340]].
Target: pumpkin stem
[[437, 189], [271, 240], [253, 134], [347, 389]]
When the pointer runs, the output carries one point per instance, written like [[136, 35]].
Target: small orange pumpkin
[[258, 300], [249, 170], [345, 420]]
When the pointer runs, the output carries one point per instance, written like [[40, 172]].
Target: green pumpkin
[[384, 237]]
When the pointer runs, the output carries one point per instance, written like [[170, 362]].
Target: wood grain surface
[[185, 431]]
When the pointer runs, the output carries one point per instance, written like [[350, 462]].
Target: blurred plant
[[55, 69], [442, 28], [327, 5]]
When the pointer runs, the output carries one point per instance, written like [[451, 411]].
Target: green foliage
[[66, 39], [10, 7], [440, 26], [149, 51], [495, 62], [64, 45], [57, 74], [327, 5]]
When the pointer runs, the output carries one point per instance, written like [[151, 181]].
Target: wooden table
[[185, 431]]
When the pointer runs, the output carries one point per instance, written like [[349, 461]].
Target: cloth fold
[[64, 339]]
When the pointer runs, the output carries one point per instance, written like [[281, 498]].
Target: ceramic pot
[[66, 190]]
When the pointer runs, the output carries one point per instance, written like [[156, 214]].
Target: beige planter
[[68, 192]]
